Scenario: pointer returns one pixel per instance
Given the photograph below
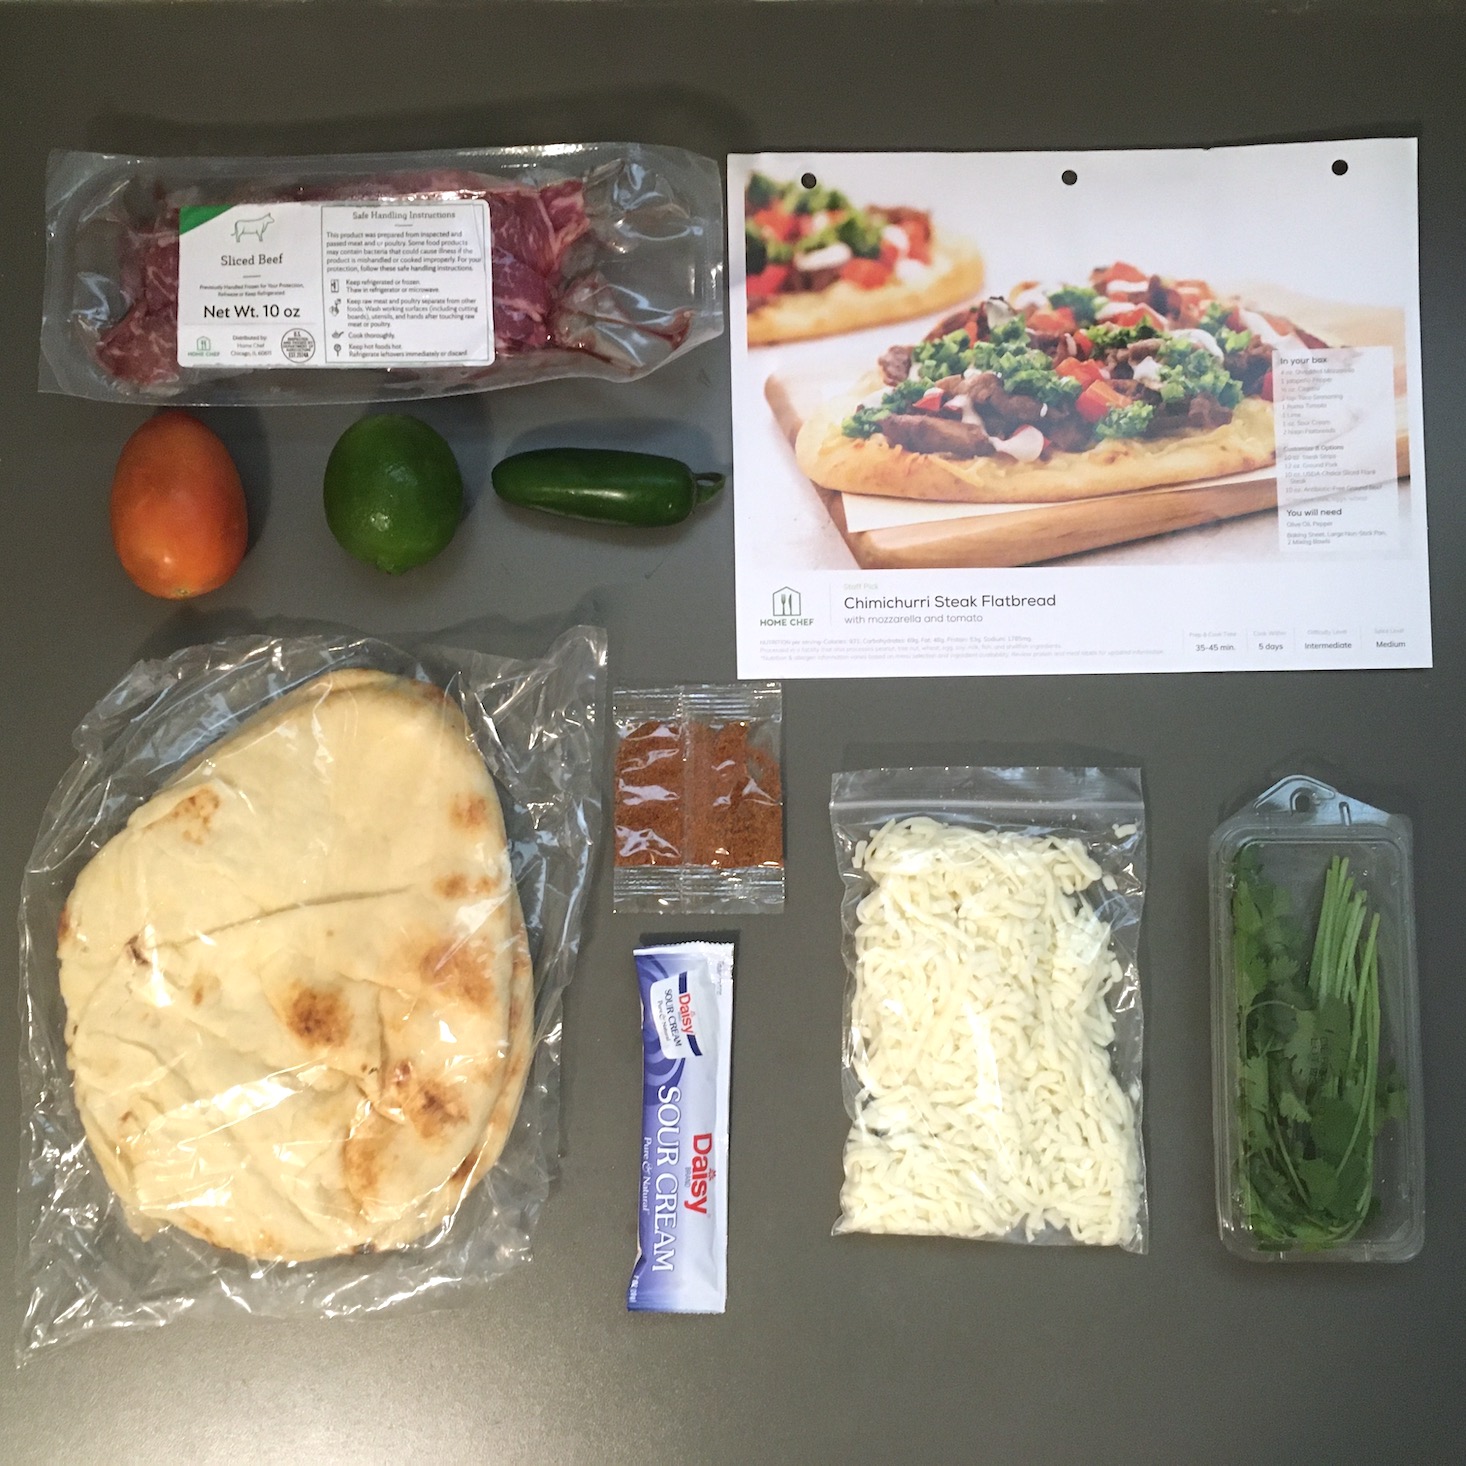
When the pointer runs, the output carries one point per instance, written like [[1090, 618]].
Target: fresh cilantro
[[801, 200], [1021, 369], [830, 234], [1130, 421], [1232, 341], [755, 251], [862, 233], [1106, 337], [1216, 315], [865, 422], [1038, 379], [1310, 1091], [761, 192], [858, 230], [1011, 332], [1188, 370], [947, 356], [761, 250], [1080, 299]]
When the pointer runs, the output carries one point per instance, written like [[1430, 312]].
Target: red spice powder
[[698, 794], [650, 777]]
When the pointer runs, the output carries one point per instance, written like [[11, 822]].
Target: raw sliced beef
[[534, 229], [143, 346]]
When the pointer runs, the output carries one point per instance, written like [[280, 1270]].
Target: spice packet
[[687, 1039], [699, 799]]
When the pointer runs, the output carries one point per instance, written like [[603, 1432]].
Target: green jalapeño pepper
[[604, 484]]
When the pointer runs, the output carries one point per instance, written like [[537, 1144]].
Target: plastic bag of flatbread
[[293, 940]]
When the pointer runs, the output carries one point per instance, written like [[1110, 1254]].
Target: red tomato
[[178, 514], [1133, 317], [1119, 271], [1083, 372], [929, 401], [1052, 322], [769, 281], [1097, 399], [778, 221], [917, 228], [1266, 390], [865, 273], [1082, 341]]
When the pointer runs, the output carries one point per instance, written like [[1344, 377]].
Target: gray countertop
[[852, 1348]]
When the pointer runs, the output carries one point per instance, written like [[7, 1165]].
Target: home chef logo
[[203, 347], [787, 605]]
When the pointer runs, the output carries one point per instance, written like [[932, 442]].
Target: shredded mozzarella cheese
[[988, 1106]]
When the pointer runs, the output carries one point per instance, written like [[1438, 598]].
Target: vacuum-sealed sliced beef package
[[375, 277]]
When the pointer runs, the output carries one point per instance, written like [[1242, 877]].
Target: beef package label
[[335, 285]]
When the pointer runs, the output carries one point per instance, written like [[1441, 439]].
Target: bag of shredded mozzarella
[[992, 1020]]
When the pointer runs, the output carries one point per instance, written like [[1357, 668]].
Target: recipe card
[[1083, 412]]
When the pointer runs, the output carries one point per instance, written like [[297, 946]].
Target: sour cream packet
[[687, 1039]]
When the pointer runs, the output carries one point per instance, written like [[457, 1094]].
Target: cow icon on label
[[788, 602], [252, 228]]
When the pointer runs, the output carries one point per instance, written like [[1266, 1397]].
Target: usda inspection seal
[[298, 345]]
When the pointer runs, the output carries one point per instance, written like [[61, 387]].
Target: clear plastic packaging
[[687, 1064], [290, 986], [698, 795], [992, 1048], [606, 261], [1318, 1102]]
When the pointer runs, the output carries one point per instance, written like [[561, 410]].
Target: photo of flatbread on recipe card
[[1060, 392], [297, 983], [817, 264]]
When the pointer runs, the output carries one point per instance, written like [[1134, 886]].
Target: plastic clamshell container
[[1296, 828]]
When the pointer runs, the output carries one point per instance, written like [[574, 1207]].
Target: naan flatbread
[[298, 988], [1114, 466], [956, 274]]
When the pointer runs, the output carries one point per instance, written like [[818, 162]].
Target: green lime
[[393, 492]]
